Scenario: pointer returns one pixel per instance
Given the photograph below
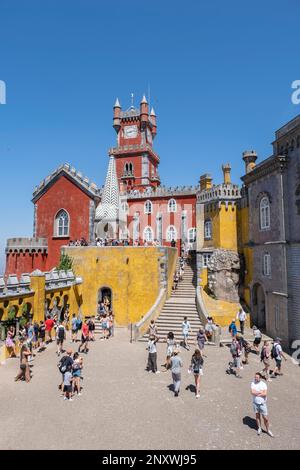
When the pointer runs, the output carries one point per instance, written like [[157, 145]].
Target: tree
[[65, 262]]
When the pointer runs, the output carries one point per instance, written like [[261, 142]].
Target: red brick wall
[[64, 194]]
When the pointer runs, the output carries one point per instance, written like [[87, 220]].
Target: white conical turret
[[108, 208]]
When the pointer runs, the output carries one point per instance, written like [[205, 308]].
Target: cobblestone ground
[[124, 407]]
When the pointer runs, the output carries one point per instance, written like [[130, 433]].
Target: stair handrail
[[140, 328]]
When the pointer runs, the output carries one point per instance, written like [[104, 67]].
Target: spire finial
[[132, 96]]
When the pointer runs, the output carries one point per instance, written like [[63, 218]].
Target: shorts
[[74, 331], [68, 388], [278, 363], [76, 373], [59, 342], [84, 339], [237, 362], [261, 409], [267, 362], [257, 341]]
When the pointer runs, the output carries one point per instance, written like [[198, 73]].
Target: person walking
[[170, 348], [196, 369], [265, 357], [111, 322], [76, 373], [186, 329], [65, 363], [277, 354], [257, 338], [24, 373], [68, 387], [49, 324], [84, 338], [241, 317], [152, 354], [201, 338], [259, 400], [236, 353], [176, 365], [91, 326], [42, 333], [232, 329], [74, 328], [10, 343], [60, 337]]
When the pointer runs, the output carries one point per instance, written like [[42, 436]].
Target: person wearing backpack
[[65, 363], [277, 354], [236, 353], [232, 329], [196, 369], [265, 357], [60, 337]]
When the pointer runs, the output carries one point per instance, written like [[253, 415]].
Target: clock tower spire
[[136, 161]]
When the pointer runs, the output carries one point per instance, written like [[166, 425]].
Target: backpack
[[274, 352], [234, 349], [61, 332], [62, 367], [79, 324]]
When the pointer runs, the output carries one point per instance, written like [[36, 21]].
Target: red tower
[[136, 161]]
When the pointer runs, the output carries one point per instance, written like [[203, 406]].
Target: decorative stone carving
[[223, 275]]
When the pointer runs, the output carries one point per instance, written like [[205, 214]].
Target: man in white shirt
[[259, 399], [186, 329], [241, 316]]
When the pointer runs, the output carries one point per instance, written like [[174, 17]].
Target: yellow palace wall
[[132, 273]]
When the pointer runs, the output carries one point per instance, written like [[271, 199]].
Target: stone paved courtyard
[[124, 407]]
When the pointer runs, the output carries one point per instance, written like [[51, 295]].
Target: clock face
[[149, 136], [130, 132]]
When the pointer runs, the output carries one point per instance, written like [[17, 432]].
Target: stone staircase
[[180, 304]]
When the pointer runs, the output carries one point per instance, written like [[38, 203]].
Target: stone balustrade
[[26, 244], [219, 192]]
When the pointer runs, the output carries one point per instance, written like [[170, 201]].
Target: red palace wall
[[25, 262], [64, 194], [160, 205]]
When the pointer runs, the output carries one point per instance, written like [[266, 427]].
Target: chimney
[[249, 157], [205, 182], [117, 116], [226, 173]]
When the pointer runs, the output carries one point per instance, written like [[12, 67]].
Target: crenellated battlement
[[21, 245]]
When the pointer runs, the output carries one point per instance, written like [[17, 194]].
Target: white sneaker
[[270, 433], [70, 399], [198, 396], [65, 398], [157, 372], [79, 394], [259, 431], [269, 380]]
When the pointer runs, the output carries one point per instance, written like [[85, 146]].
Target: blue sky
[[220, 75]]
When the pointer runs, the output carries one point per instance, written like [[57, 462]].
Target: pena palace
[[133, 205], [243, 239]]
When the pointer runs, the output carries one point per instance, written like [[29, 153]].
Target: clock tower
[[136, 161]]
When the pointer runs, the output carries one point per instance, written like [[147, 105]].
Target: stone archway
[[105, 296], [105, 230], [258, 306]]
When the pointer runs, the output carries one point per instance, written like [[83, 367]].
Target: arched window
[[208, 230], [126, 169], [130, 168], [148, 207], [62, 223], [148, 234], [264, 213], [267, 264], [172, 205], [192, 234], [171, 233]]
